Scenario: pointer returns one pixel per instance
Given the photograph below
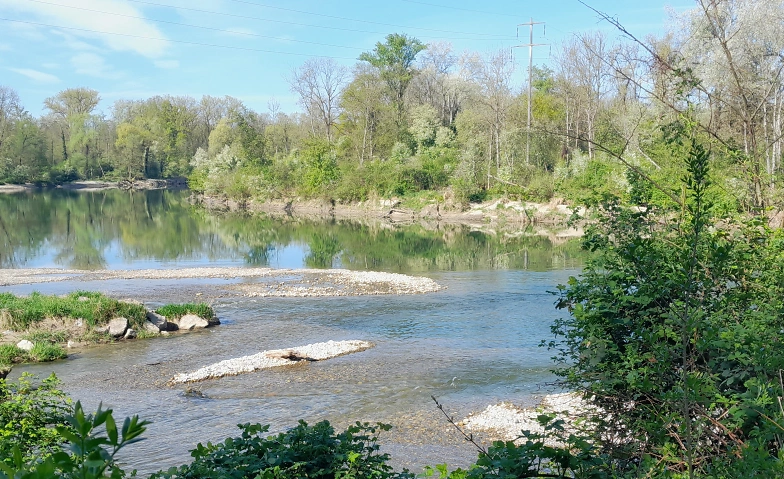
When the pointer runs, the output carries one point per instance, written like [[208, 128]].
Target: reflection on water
[[473, 344], [140, 229]]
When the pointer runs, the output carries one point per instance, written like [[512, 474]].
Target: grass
[[175, 311], [22, 313], [49, 322]]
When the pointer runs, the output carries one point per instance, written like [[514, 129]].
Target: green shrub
[[93, 442], [41, 336], [304, 451], [28, 414], [175, 311], [673, 334]]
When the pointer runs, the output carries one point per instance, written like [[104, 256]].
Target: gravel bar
[[273, 358], [269, 282]]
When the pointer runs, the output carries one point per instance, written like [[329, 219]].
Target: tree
[[395, 61], [10, 110], [319, 83], [71, 109]]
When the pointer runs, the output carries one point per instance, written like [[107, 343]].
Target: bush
[[28, 415], [304, 451], [674, 334]]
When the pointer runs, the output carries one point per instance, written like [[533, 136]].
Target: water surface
[[473, 344]]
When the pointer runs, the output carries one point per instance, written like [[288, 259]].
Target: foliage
[[28, 414], [179, 310], [552, 453], [304, 451], [93, 442], [20, 313], [673, 335]]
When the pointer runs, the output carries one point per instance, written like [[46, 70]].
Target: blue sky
[[134, 49]]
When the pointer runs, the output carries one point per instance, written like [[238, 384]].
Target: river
[[473, 344]]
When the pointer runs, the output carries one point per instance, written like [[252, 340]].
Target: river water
[[473, 344]]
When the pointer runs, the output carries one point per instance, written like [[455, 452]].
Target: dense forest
[[412, 118]]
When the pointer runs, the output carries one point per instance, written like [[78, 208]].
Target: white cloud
[[122, 31], [167, 64], [93, 65], [36, 76]]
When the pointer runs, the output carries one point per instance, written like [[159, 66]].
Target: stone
[[191, 321], [25, 345], [148, 326], [130, 334], [160, 322], [117, 327]]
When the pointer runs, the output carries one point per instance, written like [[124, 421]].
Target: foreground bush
[[29, 414], [304, 451]]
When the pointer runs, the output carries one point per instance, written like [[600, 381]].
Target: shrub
[[28, 415], [304, 451], [674, 335]]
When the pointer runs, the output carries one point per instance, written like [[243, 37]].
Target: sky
[[135, 49]]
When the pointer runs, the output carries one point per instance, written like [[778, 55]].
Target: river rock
[[191, 321], [160, 322], [25, 345], [117, 327], [150, 327]]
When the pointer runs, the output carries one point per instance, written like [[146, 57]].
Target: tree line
[[411, 118]]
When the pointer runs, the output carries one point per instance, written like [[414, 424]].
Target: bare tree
[[319, 83]]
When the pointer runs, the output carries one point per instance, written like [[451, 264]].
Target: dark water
[[474, 344]]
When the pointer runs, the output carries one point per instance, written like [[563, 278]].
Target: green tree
[[395, 61]]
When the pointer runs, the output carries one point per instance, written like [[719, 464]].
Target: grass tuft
[[21, 313], [175, 311]]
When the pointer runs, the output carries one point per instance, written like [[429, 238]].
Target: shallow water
[[473, 344]]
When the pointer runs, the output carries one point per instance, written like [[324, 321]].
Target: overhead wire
[[194, 26], [371, 22], [230, 47], [286, 22], [456, 8]]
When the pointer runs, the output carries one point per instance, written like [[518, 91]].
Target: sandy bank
[[266, 281], [505, 421]]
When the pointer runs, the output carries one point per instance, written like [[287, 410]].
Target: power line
[[260, 50], [335, 17], [456, 8], [286, 22], [195, 26]]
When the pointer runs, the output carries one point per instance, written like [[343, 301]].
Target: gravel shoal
[[505, 420], [273, 358], [270, 282]]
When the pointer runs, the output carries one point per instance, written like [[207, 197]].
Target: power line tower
[[530, 46]]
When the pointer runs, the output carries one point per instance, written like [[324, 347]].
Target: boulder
[[117, 327], [130, 334], [150, 327], [25, 345], [191, 321], [160, 322]]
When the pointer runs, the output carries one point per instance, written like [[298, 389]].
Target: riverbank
[[497, 213], [149, 184]]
